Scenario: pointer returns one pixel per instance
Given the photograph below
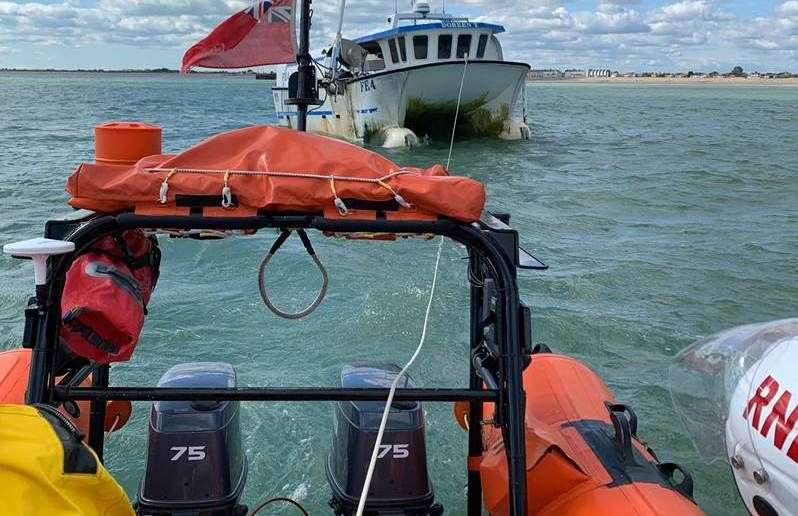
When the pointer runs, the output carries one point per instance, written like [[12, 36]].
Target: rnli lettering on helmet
[[758, 405]]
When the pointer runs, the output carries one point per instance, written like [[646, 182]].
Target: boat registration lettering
[[367, 85]]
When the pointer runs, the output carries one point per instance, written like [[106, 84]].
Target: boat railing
[[414, 17]]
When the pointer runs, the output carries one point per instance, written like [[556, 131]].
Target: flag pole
[[306, 88]]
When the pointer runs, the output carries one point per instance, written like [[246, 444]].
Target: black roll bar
[[269, 394], [489, 249]]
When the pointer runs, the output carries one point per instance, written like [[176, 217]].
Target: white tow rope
[[373, 462], [457, 111], [386, 411]]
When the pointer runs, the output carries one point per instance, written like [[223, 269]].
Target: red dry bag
[[106, 294]]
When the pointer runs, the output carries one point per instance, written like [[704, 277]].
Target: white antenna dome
[[421, 7]]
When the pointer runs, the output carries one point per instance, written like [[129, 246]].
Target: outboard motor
[[400, 485], [195, 463]]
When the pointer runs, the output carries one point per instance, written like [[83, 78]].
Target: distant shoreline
[[676, 81]]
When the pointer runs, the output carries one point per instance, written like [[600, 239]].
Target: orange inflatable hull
[[14, 368], [578, 461]]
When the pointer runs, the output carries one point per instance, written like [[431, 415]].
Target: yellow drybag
[[45, 469]]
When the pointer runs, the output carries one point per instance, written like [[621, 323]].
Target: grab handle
[[685, 486], [624, 421], [264, 294]]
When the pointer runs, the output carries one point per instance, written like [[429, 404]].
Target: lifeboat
[[557, 441]]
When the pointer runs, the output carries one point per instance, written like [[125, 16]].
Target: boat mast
[[306, 76]]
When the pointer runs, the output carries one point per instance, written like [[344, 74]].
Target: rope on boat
[[386, 411], [264, 294], [457, 111], [279, 499], [227, 194]]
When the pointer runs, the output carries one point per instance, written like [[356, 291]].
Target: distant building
[[574, 73], [599, 72], [547, 74]]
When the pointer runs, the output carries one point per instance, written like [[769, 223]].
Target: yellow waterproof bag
[[45, 469]]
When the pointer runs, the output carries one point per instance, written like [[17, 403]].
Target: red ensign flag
[[260, 35]]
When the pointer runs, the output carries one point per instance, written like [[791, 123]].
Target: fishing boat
[[545, 435], [414, 80]]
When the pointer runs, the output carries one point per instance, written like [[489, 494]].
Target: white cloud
[[788, 9], [685, 10]]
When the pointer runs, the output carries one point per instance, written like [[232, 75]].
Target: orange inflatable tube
[[583, 454], [14, 367]]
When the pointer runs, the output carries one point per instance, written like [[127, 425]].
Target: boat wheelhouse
[[431, 43], [410, 81]]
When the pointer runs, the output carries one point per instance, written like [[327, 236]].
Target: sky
[[624, 35]]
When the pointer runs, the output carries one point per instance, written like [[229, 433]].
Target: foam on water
[[666, 213]]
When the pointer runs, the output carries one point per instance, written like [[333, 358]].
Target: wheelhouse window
[[444, 46], [392, 49], [420, 46], [463, 45], [483, 42], [402, 49]]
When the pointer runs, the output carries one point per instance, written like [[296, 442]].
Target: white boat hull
[[421, 98]]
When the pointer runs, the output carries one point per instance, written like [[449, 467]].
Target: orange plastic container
[[124, 143]]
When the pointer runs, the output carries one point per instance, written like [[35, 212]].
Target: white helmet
[[743, 384]]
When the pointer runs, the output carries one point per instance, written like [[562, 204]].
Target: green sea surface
[[666, 213]]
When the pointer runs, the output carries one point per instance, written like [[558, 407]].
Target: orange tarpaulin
[[276, 170]]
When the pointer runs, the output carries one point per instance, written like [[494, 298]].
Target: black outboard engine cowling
[[195, 463], [400, 484]]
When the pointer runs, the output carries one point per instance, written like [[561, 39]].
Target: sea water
[[666, 213]]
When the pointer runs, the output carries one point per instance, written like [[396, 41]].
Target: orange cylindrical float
[[124, 143], [583, 455]]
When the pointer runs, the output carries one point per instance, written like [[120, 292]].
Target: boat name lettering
[[367, 85], [458, 25]]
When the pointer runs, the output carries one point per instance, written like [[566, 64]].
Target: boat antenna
[[306, 93], [337, 45]]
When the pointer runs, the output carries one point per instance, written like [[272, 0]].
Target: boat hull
[[421, 98]]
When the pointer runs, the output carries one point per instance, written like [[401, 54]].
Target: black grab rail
[[493, 250]]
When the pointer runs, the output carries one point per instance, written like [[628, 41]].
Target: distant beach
[[714, 81]]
